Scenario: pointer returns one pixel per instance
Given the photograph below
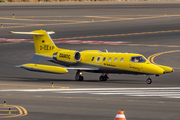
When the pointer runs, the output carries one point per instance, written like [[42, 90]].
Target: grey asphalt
[[143, 24]]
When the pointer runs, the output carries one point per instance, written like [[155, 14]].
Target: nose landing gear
[[103, 77], [79, 76], [149, 81]]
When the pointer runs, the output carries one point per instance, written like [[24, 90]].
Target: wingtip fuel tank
[[166, 68], [44, 68]]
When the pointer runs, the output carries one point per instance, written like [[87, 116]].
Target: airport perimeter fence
[[73, 0]]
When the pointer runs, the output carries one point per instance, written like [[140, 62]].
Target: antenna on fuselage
[[106, 50]]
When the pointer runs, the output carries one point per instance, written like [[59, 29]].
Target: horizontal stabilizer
[[39, 58], [44, 68], [43, 44], [32, 33]]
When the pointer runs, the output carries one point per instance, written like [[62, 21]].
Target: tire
[[81, 78], [105, 78], [149, 81], [77, 78], [101, 78]]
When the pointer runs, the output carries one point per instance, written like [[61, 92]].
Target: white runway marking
[[168, 92], [138, 92]]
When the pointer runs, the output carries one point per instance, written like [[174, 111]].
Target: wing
[[82, 68], [39, 58]]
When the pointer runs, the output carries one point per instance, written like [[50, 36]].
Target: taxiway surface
[[144, 27]]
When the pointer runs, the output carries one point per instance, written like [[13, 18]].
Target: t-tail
[[44, 50], [44, 45]]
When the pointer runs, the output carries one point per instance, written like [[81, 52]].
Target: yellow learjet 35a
[[88, 60]]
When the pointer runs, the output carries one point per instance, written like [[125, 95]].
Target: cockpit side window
[[138, 59], [92, 59]]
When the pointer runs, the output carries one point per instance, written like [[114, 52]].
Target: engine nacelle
[[67, 56]]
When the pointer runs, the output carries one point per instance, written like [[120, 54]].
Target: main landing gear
[[79, 76], [149, 81], [103, 77]]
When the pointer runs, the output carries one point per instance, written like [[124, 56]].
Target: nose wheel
[[103, 77], [79, 76], [149, 81]]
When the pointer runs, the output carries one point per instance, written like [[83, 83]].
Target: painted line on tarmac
[[97, 36], [105, 16], [37, 86], [7, 43], [113, 35], [151, 58], [7, 110], [12, 40], [91, 42], [68, 41], [22, 111], [82, 22], [127, 44], [34, 20], [148, 45], [74, 7], [165, 92], [6, 114]]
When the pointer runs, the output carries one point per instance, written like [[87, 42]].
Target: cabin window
[[109, 59], [98, 59], [138, 59], [121, 60], [92, 59], [104, 59], [115, 60]]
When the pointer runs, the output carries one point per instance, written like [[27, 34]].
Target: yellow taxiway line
[[82, 22], [113, 35], [7, 110], [22, 111], [151, 58]]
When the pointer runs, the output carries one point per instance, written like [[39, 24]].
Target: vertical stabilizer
[[44, 45]]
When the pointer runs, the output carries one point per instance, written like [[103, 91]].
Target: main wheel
[[101, 78], [79, 78], [149, 81], [105, 78]]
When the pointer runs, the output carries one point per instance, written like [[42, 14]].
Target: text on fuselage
[[46, 47], [64, 56]]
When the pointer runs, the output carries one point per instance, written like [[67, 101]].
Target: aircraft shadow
[[119, 81]]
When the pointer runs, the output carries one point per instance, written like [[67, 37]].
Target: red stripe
[[89, 41], [4, 39]]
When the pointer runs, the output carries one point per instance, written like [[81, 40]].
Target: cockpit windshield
[[138, 59]]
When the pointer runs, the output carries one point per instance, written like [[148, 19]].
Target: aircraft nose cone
[[172, 70], [164, 72]]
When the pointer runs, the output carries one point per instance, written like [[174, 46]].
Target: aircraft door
[[112, 61]]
